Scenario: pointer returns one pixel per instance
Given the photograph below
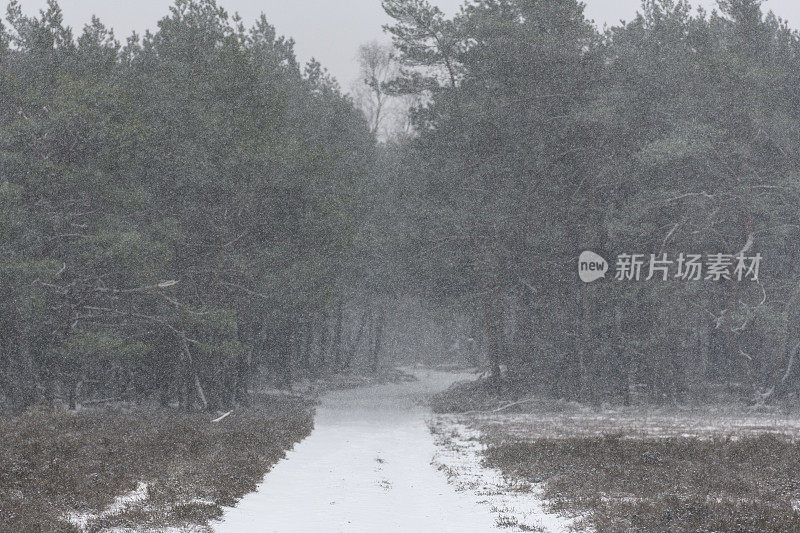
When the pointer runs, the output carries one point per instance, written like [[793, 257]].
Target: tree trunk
[[336, 349], [376, 350], [186, 401], [285, 359], [297, 339], [163, 395], [587, 349], [473, 342], [493, 311], [785, 350], [308, 341], [323, 340], [623, 355], [23, 376], [351, 354], [192, 379], [200, 392], [525, 360], [72, 396]]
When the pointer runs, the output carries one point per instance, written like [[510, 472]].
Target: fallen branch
[[223, 417]]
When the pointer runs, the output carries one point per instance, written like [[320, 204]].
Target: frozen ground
[[517, 506], [562, 420], [84, 520], [378, 460], [367, 467]]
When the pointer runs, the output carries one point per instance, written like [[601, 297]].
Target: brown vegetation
[[53, 463], [667, 484]]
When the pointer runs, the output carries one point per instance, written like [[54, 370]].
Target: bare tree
[[386, 113], [376, 64]]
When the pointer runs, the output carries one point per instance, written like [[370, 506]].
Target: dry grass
[[465, 396], [671, 484], [710, 468], [53, 463]]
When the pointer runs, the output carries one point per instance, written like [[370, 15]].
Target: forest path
[[365, 468]]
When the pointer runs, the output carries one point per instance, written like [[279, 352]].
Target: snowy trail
[[365, 468]]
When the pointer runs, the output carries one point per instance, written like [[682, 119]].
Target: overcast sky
[[330, 30]]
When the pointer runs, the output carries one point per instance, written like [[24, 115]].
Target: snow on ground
[[518, 507], [367, 467], [117, 507], [372, 464], [137, 498], [563, 420], [182, 529]]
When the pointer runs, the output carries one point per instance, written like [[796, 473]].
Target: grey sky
[[330, 30]]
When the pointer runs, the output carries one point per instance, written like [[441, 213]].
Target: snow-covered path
[[365, 468]]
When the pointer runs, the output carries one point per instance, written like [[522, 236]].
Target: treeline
[[542, 137], [177, 212], [192, 211]]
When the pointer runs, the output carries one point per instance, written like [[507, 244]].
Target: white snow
[[520, 508], [365, 468], [571, 420], [83, 520]]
